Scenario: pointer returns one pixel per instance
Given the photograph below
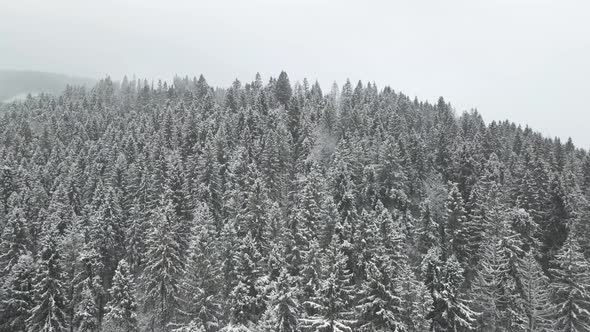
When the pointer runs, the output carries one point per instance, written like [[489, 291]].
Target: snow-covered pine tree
[[164, 266], [415, 299], [311, 274], [71, 249], [535, 298], [297, 241], [13, 240], [392, 177], [494, 289], [365, 245], [283, 89], [330, 224], [200, 303], [252, 216], [16, 295], [121, 309], [227, 260], [283, 312], [455, 226], [106, 236], [332, 302], [310, 198], [175, 191], [380, 305], [208, 184], [246, 300], [135, 235], [275, 157], [570, 284], [427, 230], [443, 278], [87, 311], [553, 227], [48, 313]]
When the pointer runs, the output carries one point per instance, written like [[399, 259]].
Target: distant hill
[[15, 84]]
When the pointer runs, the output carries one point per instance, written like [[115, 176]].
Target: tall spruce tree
[[283, 312], [200, 301], [87, 311], [48, 313], [536, 300], [570, 283], [16, 295], [443, 278], [332, 303], [164, 267], [121, 308], [13, 240], [283, 89]]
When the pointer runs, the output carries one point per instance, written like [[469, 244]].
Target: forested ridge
[[142, 206]]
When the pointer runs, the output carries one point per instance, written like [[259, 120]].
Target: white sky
[[525, 60]]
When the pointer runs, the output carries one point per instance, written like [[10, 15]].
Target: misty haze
[[294, 166]]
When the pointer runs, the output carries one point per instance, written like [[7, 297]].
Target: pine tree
[[333, 299], [135, 235], [121, 308], [200, 304], [252, 216], [570, 283], [443, 278], [71, 248], [209, 189], [227, 260], [494, 289], [89, 271], [311, 274], [345, 103], [427, 229], [16, 295], [283, 311], [380, 305], [48, 313], [178, 193], [415, 300], [246, 300], [274, 160], [478, 221], [87, 311], [455, 228], [13, 241], [106, 237], [283, 89], [311, 196], [301, 227], [554, 227], [164, 267], [535, 296], [392, 177]]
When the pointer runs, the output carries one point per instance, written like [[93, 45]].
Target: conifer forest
[[282, 206]]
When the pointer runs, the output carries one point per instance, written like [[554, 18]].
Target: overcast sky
[[525, 60]]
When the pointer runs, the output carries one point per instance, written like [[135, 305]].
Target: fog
[[522, 60]]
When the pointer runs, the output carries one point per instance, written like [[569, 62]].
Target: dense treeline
[[279, 207]]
